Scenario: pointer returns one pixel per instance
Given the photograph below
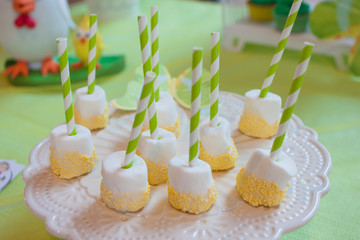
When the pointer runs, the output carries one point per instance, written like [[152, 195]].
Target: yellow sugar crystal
[[258, 192], [256, 126], [156, 173], [95, 122], [126, 203], [222, 162], [72, 165], [191, 204]]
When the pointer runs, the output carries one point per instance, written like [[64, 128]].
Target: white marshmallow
[[159, 151], [268, 108], [166, 111], [262, 166], [64, 144], [131, 180], [126, 185], [196, 179], [90, 105], [216, 140]]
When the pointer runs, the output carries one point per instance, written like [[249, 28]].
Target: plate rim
[[49, 218]]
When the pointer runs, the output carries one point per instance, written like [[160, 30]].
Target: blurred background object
[[108, 10], [31, 28], [336, 20], [237, 21], [282, 10]]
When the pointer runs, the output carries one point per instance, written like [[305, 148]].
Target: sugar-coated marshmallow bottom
[[260, 117], [217, 148], [264, 181], [191, 188], [157, 154], [91, 110], [125, 190], [168, 118], [71, 156]]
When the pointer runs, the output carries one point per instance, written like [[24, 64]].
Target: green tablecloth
[[329, 103]]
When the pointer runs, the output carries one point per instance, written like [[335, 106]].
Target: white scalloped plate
[[72, 208]]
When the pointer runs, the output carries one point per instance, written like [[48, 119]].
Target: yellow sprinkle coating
[[221, 162], [191, 204], [175, 129], [71, 165], [156, 173], [126, 203], [258, 192], [95, 122], [256, 126]]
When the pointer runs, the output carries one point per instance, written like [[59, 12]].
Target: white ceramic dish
[[72, 208]]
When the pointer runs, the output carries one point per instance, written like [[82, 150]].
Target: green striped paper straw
[[291, 100], [66, 85], [155, 48], [153, 116], [214, 72], [92, 54], [197, 64], [146, 61], [139, 119], [280, 48]]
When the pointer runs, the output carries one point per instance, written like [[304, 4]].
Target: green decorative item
[[128, 101], [180, 89], [282, 10], [163, 78], [355, 66], [338, 19], [109, 65]]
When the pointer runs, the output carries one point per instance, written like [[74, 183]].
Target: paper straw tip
[[197, 49], [154, 8], [61, 39], [215, 34], [141, 17], [309, 44]]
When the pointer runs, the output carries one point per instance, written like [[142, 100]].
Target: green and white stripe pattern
[[92, 53], [197, 64], [291, 100], [139, 119], [280, 48], [155, 48], [66, 85], [214, 74], [146, 61]]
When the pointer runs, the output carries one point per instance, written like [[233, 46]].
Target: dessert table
[[328, 103]]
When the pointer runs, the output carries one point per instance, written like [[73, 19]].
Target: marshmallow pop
[[265, 178], [91, 109], [72, 151], [261, 113], [156, 146], [191, 187], [217, 148], [168, 117], [124, 185]]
